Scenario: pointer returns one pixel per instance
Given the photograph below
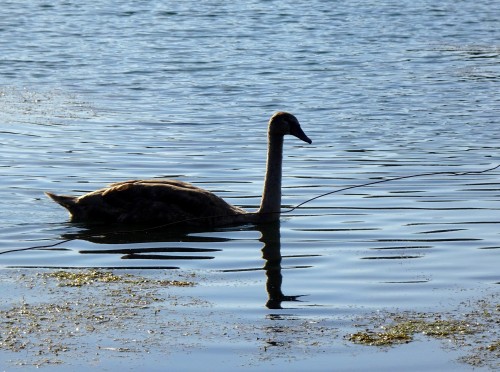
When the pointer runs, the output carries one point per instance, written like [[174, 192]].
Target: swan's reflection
[[130, 244], [271, 251]]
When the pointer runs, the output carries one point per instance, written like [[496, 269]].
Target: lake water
[[96, 92]]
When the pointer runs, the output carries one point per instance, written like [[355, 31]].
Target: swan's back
[[152, 201]]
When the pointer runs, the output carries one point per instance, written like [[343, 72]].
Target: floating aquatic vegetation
[[403, 330], [68, 315], [53, 320], [86, 277], [475, 330]]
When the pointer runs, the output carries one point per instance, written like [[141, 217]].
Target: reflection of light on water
[[51, 107]]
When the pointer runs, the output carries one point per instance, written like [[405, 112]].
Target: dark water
[[96, 92]]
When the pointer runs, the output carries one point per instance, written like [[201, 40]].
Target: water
[[97, 92]]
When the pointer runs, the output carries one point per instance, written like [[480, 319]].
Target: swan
[[162, 201]]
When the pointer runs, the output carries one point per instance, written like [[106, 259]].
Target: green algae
[[403, 330], [87, 277], [56, 319], [475, 330]]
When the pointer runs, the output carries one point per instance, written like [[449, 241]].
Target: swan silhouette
[[160, 201]]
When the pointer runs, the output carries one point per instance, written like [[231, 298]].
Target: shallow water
[[95, 93]]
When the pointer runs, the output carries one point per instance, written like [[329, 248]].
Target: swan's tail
[[68, 202]]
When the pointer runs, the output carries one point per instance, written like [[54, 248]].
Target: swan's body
[[176, 202]]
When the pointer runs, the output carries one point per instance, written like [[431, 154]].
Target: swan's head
[[282, 123]]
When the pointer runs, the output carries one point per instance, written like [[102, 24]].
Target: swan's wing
[[151, 201]]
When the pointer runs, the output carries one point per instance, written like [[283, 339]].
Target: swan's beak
[[297, 131]]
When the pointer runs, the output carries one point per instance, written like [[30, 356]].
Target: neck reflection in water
[[271, 253]]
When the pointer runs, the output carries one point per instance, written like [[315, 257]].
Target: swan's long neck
[[271, 197]]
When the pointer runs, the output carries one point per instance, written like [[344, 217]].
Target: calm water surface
[[96, 92]]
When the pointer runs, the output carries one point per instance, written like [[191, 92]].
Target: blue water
[[96, 92]]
